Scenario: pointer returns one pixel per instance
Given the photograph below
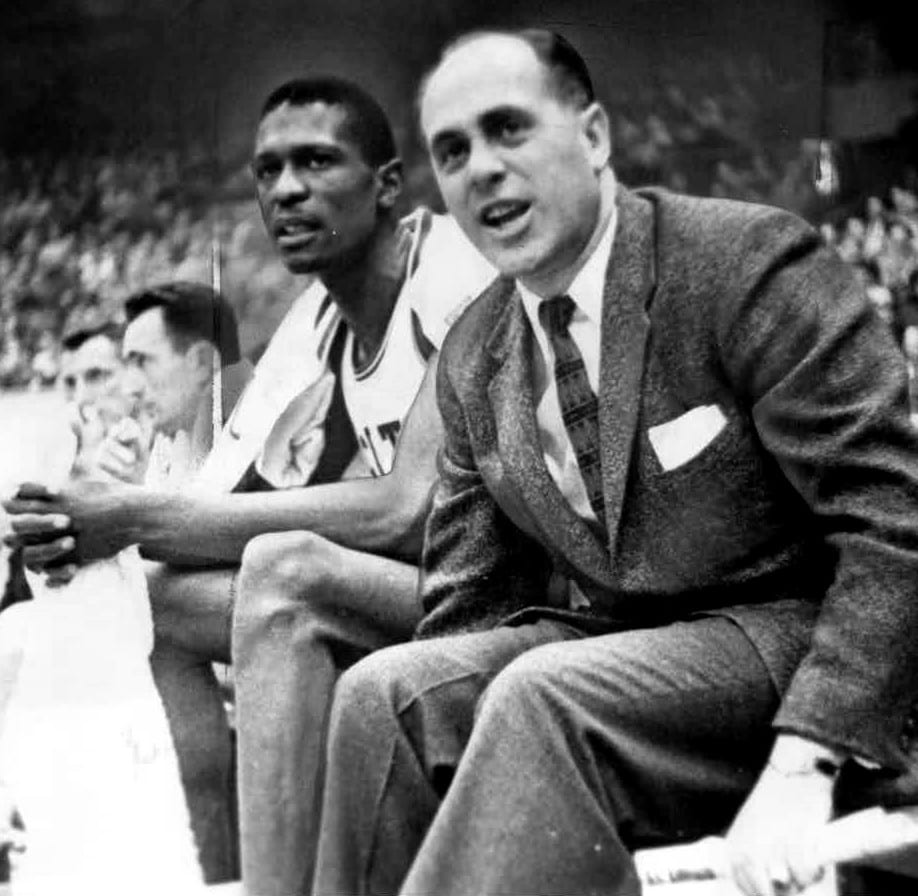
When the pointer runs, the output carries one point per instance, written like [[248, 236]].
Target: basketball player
[[346, 386]]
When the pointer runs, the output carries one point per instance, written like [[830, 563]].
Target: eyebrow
[[309, 146], [485, 121], [446, 136]]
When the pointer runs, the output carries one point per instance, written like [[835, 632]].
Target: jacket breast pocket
[[689, 439], [694, 523]]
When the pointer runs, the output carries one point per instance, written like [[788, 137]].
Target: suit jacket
[[799, 520]]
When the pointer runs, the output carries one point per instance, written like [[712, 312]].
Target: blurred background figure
[[92, 382], [177, 335]]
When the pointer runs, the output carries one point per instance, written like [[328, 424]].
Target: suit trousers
[[533, 759]]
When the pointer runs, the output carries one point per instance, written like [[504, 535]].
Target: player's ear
[[389, 179], [596, 133], [201, 356]]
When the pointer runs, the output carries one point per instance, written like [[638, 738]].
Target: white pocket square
[[678, 441]]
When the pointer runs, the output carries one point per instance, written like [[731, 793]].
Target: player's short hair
[[567, 69], [191, 312], [80, 328], [365, 122]]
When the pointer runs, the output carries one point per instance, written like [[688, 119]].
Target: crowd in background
[[78, 234], [83, 232]]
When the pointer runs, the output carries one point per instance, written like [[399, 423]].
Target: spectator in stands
[[867, 272], [345, 387], [669, 571]]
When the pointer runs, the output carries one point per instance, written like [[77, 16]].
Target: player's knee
[[286, 562], [279, 588]]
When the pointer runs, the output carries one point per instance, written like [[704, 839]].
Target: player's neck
[[367, 289]]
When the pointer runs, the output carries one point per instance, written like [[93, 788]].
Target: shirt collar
[[587, 287]]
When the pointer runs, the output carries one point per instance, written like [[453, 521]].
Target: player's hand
[[101, 515], [123, 454], [772, 844], [89, 427], [44, 537]]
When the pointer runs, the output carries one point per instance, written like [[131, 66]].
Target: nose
[[485, 164], [132, 382], [289, 186], [83, 394]]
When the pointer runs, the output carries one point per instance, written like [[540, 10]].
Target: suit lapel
[[630, 280], [513, 404]]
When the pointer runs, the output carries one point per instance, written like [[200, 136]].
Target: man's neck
[[553, 283], [366, 290]]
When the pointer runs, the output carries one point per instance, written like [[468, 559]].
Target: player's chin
[[304, 263]]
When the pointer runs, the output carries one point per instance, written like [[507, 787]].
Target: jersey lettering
[[389, 431]]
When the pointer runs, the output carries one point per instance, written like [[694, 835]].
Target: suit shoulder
[[726, 228]]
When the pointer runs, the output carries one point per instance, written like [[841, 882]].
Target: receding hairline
[[529, 38]]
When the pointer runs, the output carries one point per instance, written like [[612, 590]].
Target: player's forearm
[[378, 515]]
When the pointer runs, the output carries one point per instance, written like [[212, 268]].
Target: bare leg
[[306, 608], [191, 615]]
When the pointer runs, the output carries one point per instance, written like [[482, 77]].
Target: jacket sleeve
[[477, 567], [828, 392]]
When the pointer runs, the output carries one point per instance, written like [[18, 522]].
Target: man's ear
[[200, 355], [389, 179], [594, 123]]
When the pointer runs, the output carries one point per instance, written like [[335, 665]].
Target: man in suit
[[669, 572]]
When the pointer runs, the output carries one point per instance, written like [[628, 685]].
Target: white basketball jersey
[[445, 273]]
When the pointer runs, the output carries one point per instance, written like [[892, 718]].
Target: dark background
[[92, 73], [126, 125]]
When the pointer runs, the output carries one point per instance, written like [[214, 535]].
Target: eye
[[509, 129], [451, 154], [313, 160], [265, 170]]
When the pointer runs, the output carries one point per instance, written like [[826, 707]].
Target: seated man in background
[[347, 382], [177, 335], [91, 380], [671, 562], [174, 336], [97, 404]]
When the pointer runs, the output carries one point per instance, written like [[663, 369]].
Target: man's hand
[[123, 454], [44, 537], [85, 521], [772, 842]]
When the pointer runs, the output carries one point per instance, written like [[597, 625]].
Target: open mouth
[[501, 214], [292, 231]]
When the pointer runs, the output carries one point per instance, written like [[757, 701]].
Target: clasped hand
[[57, 530]]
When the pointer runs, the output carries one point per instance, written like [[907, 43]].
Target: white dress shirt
[[587, 291]]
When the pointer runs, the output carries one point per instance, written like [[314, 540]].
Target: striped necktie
[[579, 407]]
